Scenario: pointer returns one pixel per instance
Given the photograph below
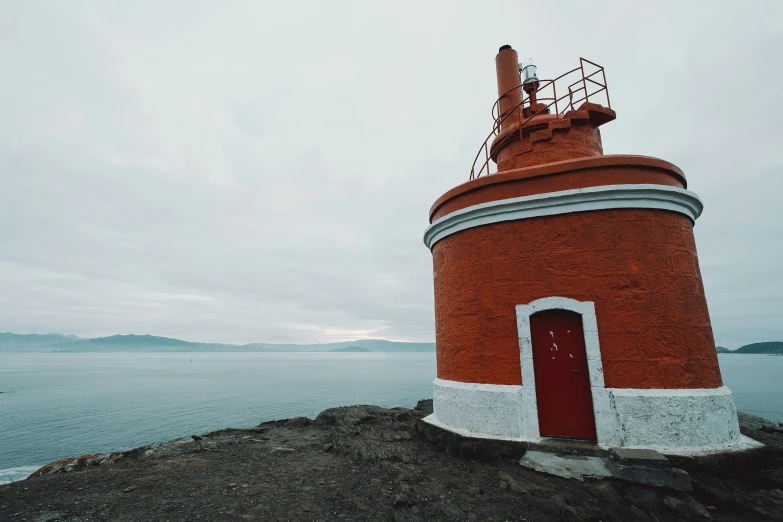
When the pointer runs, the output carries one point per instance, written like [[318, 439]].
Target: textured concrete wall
[[639, 266], [484, 410], [674, 422]]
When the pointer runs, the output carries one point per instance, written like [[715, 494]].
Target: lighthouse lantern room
[[568, 297]]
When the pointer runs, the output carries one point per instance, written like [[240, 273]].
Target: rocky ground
[[370, 463]]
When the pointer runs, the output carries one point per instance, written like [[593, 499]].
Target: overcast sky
[[262, 171]]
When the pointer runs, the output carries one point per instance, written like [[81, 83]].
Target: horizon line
[[223, 342]]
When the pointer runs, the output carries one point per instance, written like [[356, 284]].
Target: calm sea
[[58, 405]]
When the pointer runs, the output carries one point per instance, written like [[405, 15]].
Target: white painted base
[[490, 411], [673, 422]]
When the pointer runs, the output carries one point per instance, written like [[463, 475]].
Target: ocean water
[[756, 381], [59, 405]]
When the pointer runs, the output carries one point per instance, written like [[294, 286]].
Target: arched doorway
[[563, 395]]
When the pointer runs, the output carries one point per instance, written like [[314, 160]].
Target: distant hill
[[372, 345], [20, 343], [11, 342], [772, 347], [351, 349], [767, 348]]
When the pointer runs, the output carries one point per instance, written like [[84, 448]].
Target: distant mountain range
[[351, 349], [769, 348], [59, 343]]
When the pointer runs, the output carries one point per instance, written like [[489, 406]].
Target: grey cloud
[[244, 171]]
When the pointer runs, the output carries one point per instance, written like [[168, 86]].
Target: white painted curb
[[645, 196]]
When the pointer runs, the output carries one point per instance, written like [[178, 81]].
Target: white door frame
[[601, 407]]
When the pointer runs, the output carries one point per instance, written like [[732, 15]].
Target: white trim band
[[649, 196]]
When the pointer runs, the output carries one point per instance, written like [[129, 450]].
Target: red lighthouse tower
[[568, 297]]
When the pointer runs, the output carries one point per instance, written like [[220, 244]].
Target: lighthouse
[[568, 297]]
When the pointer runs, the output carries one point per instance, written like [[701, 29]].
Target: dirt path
[[370, 463]]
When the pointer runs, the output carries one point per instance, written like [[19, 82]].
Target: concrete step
[[631, 465], [647, 467], [567, 466]]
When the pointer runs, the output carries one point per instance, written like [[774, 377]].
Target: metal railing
[[583, 86]]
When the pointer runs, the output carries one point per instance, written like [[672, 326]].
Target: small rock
[[401, 500], [328, 446], [403, 416], [129, 489], [639, 514], [115, 457], [196, 437], [298, 422], [366, 418], [753, 422], [424, 405], [712, 508], [283, 449], [674, 504]]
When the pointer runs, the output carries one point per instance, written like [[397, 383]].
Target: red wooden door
[[565, 403]]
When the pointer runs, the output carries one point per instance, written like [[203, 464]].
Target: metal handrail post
[[584, 82]]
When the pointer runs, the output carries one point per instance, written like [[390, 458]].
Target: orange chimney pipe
[[509, 92]]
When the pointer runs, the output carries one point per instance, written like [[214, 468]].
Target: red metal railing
[[582, 88]]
